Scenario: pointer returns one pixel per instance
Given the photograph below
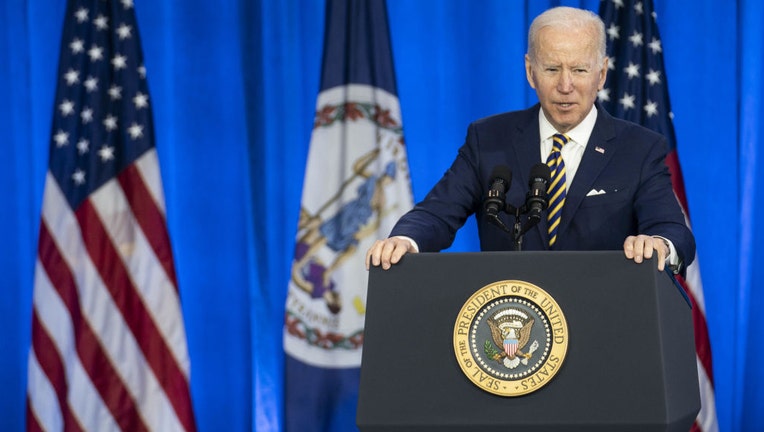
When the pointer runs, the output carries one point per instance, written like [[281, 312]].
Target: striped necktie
[[557, 188]]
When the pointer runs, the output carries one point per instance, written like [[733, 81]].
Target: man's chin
[[563, 122]]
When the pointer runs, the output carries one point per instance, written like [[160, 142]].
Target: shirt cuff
[[410, 240], [672, 260]]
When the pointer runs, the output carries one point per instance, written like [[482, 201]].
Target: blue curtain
[[748, 395], [233, 86]]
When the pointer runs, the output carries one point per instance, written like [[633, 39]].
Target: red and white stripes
[[108, 341], [693, 286]]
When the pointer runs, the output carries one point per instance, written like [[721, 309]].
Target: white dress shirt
[[573, 151]]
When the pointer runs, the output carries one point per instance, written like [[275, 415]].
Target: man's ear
[[529, 72]]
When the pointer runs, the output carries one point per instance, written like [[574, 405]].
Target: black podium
[[630, 362]]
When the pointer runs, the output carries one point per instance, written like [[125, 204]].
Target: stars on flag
[[613, 32], [78, 176], [627, 101], [651, 108], [81, 15], [83, 146], [141, 100], [95, 53], [119, 62], [101, 23], [636, 39], [654, 77], [98, 109], [91, 84], [72, 77], [66, 107], [604, 95], [77, 46], [634, 90], [110, 123], [655, 46], [86, 115], [106, 153], [123, 31], [115, 92], [632, 70], [61, 138], [135, 130]]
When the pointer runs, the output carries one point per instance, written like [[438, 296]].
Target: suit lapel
[[599, 150], [526, 145], [527, 153]]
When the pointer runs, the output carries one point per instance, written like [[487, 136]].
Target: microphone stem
[[518, 232]]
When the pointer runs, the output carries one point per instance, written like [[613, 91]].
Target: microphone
[[496, 200], [536, 201], [501, 178]]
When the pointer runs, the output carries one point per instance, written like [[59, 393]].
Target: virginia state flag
[[356, 187]]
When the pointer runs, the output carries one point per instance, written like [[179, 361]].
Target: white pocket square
[[594, 192]]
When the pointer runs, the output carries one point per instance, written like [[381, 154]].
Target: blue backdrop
[[233, 86]]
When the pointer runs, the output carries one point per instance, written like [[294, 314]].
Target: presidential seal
[[510, 338]]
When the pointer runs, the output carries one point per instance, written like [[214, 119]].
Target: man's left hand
[[643, 246]]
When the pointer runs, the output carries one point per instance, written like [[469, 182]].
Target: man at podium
[[608, 187]]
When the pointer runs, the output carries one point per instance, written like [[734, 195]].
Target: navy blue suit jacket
[[621, 158]]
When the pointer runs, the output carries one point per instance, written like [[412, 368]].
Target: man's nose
[[565, 82]]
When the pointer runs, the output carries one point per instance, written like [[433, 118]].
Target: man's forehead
[[567, 52], [565, 58]]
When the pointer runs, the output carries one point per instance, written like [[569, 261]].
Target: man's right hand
[[388, 252]]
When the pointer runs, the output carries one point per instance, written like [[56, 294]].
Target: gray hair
[[568, 18]]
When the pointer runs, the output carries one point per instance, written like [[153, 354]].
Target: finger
[[649, 247], [375, 253], [639, 248], [388, 246], [369, 254], [402, 247], [663, 252], [628, 247]]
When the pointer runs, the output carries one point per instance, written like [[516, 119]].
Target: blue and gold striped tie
[[557, 188]]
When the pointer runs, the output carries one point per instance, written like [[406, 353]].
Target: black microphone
[[501, 178], [496, 200], [536, 201]]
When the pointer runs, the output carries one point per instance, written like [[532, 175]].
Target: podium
[[629, 366]]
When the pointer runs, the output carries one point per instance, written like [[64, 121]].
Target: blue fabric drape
[[233, 86], [748, 393]]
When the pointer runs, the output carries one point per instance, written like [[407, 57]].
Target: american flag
[[108, 343], [636, 90]]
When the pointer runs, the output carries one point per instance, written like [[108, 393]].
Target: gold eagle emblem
[[510, 332]]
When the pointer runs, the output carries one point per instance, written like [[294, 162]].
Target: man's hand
[[642, 247], [388, 252]]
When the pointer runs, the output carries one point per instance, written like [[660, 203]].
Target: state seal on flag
[[510, 338]]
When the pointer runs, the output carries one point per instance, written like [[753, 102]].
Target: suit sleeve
[[656, 206], [434, 221]]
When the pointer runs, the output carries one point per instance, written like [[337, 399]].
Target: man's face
[[566, 75]]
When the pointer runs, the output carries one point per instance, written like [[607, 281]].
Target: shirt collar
[[579, 134]]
